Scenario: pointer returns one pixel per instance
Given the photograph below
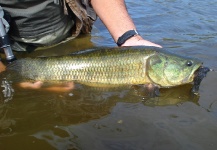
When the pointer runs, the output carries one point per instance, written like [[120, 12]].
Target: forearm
[[114, 15]]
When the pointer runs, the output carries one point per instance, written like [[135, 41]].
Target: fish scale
[[130, 65]]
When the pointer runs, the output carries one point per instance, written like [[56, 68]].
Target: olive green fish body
[[108, 66]]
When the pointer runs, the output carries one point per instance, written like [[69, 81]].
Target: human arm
[[114, 15]]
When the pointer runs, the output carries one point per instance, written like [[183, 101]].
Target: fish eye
[[189, 63]]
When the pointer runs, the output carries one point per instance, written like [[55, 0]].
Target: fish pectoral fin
[[147, 90]]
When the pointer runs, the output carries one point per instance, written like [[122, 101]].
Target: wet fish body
[[113, 66]]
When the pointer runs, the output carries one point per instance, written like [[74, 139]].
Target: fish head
[[168, 70]]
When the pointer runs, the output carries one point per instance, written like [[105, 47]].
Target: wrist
[[126, 36]]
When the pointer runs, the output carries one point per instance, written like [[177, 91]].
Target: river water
[[90, 119]]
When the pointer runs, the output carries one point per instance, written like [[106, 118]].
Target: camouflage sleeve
[[85, 15]]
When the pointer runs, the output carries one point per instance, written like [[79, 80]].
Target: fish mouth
[[199, 74]]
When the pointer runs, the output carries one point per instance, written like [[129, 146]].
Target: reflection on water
[[81, 105], [122, 118], [43, 115]]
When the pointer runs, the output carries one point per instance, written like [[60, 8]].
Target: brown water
[[117, 119]]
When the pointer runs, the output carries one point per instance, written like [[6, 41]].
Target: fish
[[154, 67]]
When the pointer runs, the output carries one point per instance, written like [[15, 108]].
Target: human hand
[[2, 67], [139, 41], [38, 85]]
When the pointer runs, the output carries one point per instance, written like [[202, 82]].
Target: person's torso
[[34, 20]]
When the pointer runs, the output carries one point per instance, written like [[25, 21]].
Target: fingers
[[30, 85], [62, 88], [66, 87]]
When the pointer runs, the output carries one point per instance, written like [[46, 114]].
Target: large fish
[[112, 66]]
